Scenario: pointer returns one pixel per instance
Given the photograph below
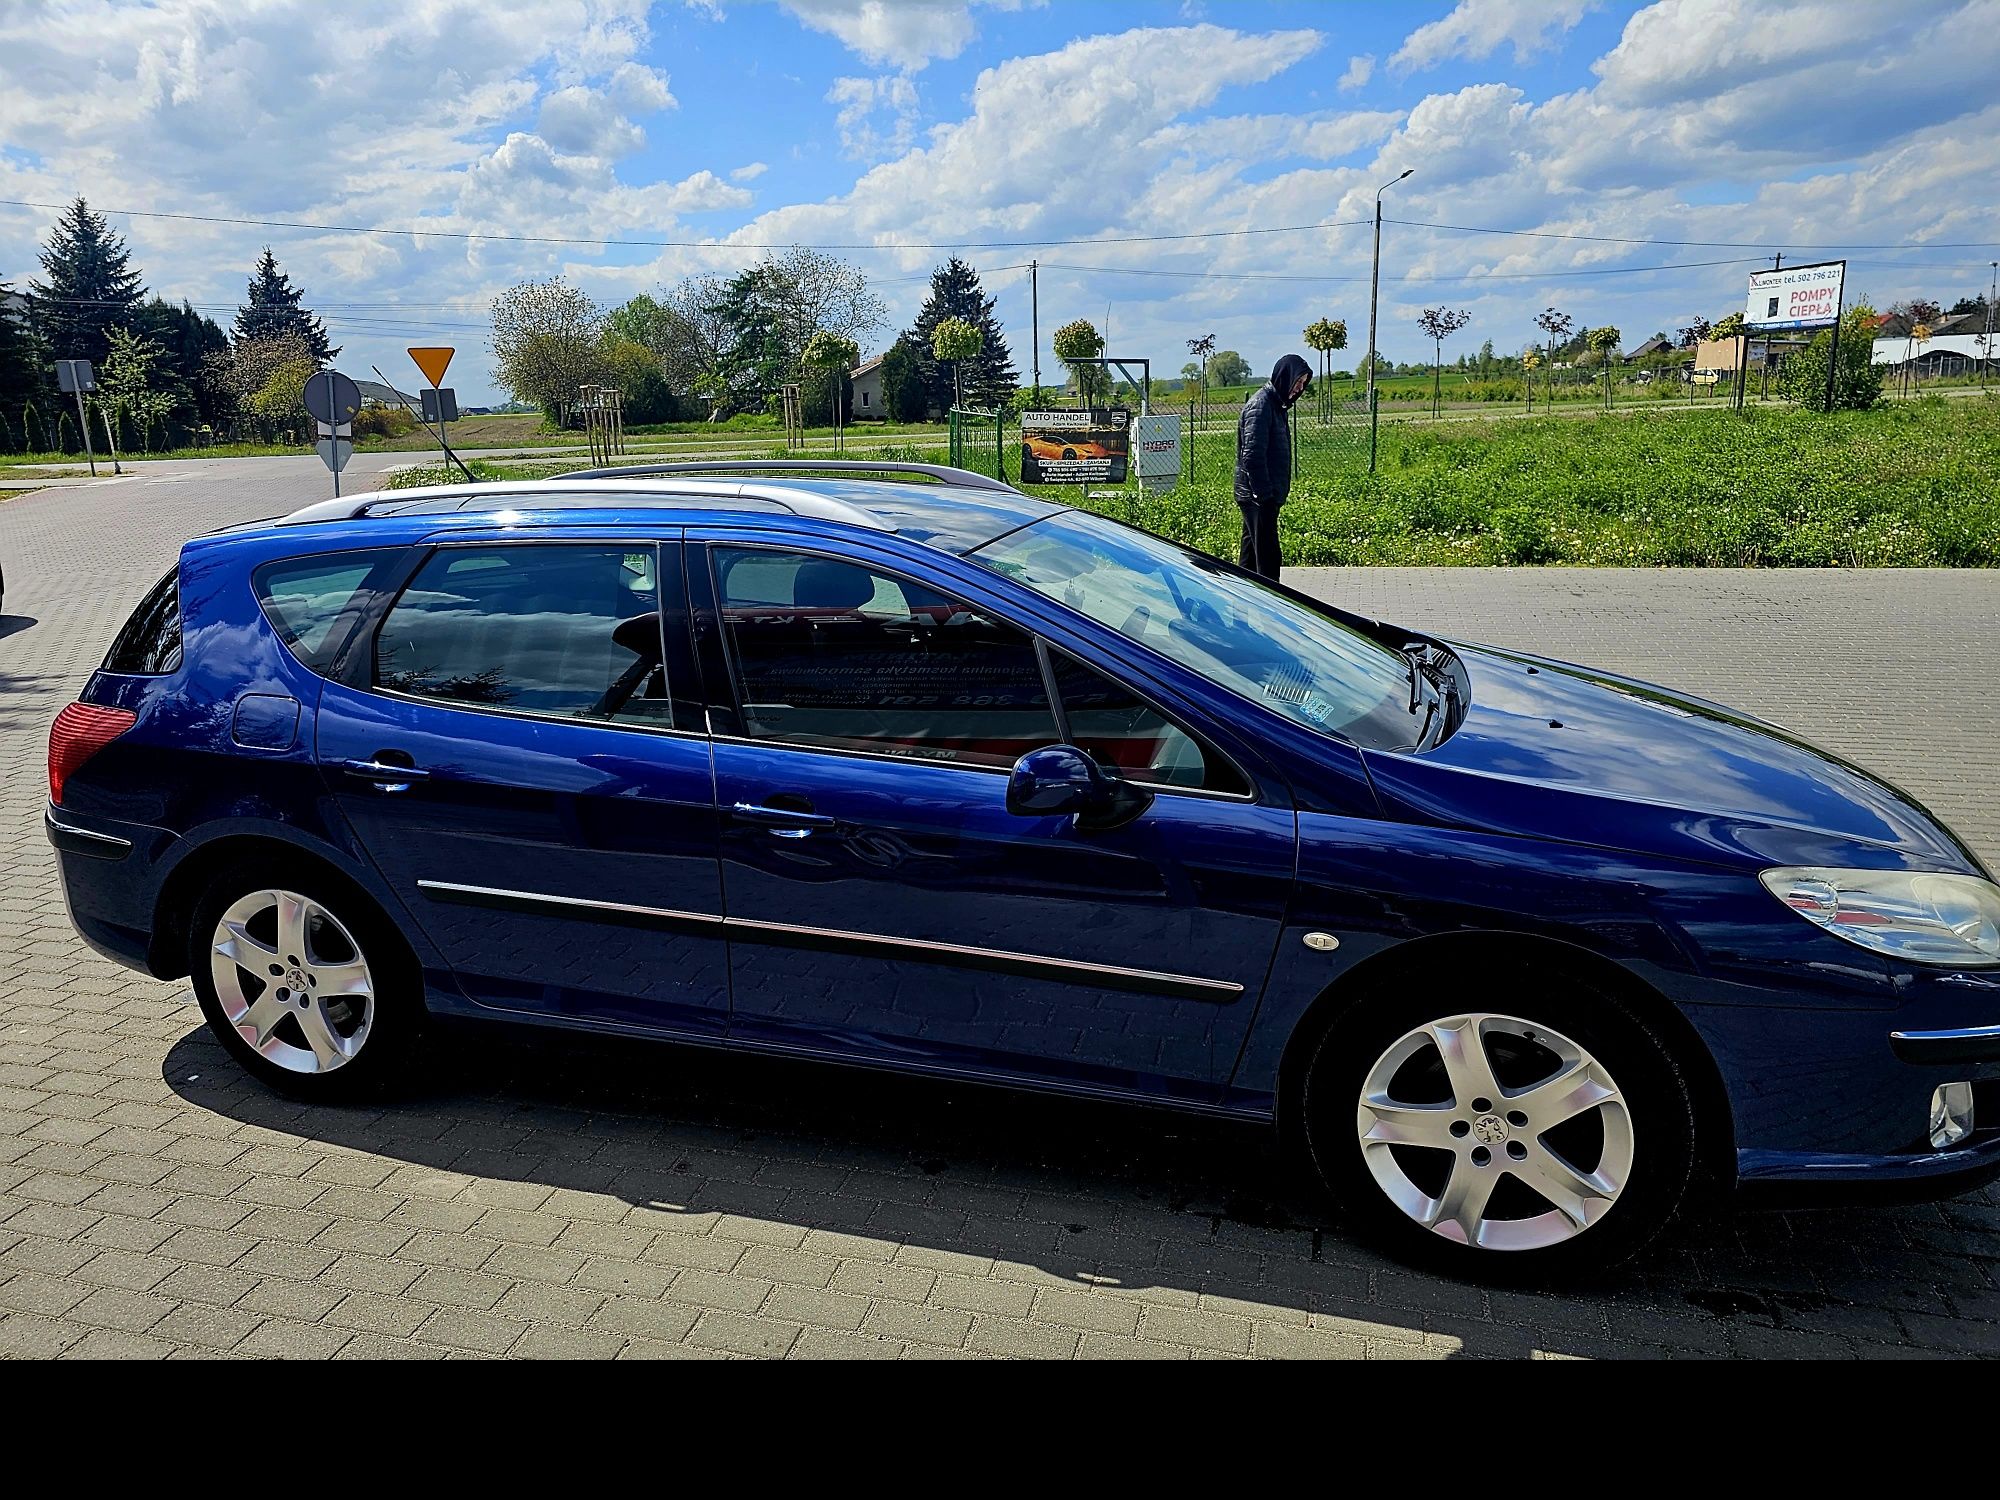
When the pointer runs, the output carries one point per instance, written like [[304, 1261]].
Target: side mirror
[[1058, 780]]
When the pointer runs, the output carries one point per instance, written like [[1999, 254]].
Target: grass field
[[1906, 485]]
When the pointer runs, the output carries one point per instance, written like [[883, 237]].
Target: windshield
[[1232, 628]]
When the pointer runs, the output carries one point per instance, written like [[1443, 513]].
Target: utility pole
[[1374, 292], [1035, 323], [1777, 264], [1992, 296]]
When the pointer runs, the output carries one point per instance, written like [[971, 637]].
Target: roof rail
[[943, 473]]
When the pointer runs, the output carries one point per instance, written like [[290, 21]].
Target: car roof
[[958, 512]]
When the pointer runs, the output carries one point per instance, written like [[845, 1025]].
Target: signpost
[[332, 399], [1156, 442], [440, 402], [75, 376]]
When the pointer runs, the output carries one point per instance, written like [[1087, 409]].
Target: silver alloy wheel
[[1508, 1086], [292, 981]]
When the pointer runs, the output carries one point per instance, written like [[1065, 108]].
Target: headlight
[[1920, 917]]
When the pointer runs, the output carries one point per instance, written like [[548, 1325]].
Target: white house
[[868, 404], [1947, 354]]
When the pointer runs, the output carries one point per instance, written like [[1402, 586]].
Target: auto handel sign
[[1076, 447], [1795, 297]]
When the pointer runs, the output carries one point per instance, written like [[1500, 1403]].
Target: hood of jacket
[[1285, 374]]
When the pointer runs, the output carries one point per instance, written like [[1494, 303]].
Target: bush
[[383, 422]]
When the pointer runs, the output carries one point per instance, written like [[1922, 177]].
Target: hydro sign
[[1795, 297]]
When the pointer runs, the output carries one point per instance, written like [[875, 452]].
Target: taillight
[[79, 732]]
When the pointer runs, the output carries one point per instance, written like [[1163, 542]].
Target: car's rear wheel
[[1550, 1134], [303, 981]]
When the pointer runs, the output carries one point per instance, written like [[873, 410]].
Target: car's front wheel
[[1549, 1135], [303, 981]]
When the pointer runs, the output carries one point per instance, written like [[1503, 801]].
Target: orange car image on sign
[[1075, 447]]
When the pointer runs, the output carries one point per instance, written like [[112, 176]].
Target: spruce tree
[[88, 286], [24, 374], [989, 378], [274, 311], [191, 347]]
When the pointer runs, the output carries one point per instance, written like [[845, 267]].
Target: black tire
[[396, 1017], [1650, 1081]]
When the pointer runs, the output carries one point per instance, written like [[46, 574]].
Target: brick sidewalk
[[548, 1197]]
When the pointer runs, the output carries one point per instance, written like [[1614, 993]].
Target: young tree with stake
[[1439, 324]]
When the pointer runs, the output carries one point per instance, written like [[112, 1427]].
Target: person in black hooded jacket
[[1264, 461]]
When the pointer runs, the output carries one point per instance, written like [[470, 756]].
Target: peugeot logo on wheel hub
[[1489, 1130]]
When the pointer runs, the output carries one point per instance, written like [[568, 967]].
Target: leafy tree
[[1077, 341], [1857, 379], [87, 286], [903, 390], [643, 393], [987, 377], [131, 384], [1728, 327], [1439, 324], [1201, 348], [266, 380], [274, 309], [955, 341], [547, 344], [692, 337], [189, 343], [1227, 367], [1604, 342], [1557, 326], [1968, 305], [1697, 332], [1325, 336], [832, 354]]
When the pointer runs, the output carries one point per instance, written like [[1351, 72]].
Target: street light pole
[[1374, 292]]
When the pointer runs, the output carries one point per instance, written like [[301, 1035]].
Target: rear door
[[512, 753]]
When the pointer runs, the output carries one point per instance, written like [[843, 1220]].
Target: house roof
[[863, 368]]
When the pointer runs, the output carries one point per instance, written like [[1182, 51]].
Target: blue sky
[[1821, 127]]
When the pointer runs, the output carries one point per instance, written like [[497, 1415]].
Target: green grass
[[1907, 485]]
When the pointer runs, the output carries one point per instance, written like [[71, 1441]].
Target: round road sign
[[332, 397]]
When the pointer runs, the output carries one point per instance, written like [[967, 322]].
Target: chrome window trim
[[1222, 990], [626, 725]]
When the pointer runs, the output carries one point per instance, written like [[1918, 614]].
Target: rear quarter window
[[314, 602], [150, 643]]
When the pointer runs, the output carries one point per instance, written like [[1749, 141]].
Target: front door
[[881, 898], [520, 770]]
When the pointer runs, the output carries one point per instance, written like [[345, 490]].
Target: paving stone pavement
[[538, 1198]]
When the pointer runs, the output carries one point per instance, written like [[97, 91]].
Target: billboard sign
[[1795, 297], [1076, 447]]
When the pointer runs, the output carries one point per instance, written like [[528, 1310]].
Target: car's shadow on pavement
[[1081, 1193]]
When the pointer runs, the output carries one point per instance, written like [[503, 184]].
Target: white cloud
[[1477, 27], [1360, 69], [906, 34], [750, 171], [1242, 138], [860, 100]]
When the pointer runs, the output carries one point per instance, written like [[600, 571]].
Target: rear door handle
[[785, 822], [390, 778]]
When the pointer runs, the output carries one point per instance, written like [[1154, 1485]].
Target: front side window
[[836, 655], [569, 631], [1127, 735], [1220, 622]]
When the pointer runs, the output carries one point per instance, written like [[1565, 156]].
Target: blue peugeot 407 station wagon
[[897, 766]]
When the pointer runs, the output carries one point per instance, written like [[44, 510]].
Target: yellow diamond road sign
[[433, 362]]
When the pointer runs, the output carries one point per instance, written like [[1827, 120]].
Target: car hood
[[1551, 750]]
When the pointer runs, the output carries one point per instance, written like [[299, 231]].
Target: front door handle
[[387, 776], [785, 822]]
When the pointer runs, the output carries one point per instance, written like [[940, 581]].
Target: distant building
[[868, 402], [1654, 345], [1945, 354]]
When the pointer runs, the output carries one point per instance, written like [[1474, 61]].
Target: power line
[[612, 244], [1612, 239], [1684, 265]]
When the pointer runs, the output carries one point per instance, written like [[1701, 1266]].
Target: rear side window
[[150, 643], [313, 602], [571, 631]]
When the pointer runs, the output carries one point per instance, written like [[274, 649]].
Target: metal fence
[[1329, 439], [979, 440]]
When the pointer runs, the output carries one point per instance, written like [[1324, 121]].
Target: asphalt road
[[545, 1197]]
